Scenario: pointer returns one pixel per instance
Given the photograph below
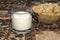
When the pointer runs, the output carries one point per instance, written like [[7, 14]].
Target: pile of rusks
[[47, 9]]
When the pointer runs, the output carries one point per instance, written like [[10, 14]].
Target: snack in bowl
[[48, 12]]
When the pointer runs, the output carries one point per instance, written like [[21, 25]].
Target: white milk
[[21, 20]]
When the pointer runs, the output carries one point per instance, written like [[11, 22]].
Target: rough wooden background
[[43, 32]]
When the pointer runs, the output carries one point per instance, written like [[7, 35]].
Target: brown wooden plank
[[4, 18]]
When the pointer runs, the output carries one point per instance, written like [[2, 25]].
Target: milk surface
[[21, 20]]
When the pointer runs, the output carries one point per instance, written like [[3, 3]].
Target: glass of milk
[[21, 19]]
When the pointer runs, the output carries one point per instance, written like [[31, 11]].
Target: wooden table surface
[[39, 33]]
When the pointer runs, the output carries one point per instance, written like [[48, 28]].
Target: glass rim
[[17, 9]]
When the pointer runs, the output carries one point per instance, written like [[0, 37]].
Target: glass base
[[21, 32]]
